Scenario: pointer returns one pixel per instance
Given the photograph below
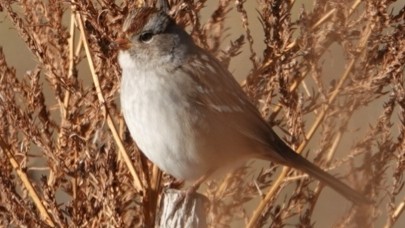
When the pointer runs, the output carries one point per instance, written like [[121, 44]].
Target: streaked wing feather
[[223, 97]]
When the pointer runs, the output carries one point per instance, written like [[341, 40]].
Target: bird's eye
[[146, 37]]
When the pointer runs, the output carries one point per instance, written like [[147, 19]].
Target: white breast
[[154, 109]]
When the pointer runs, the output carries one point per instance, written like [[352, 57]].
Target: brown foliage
[[91, 173]]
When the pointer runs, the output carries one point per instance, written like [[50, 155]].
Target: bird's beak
[[123, 43]]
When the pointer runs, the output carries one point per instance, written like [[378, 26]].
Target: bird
[[185, 110]]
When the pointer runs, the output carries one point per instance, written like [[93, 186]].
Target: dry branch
[[61, 153]]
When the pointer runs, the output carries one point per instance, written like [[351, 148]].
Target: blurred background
[[330, 206]]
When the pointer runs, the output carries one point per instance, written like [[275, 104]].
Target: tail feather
[[326, 178], [291, 158]]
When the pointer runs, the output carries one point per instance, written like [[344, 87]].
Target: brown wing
[[234, 120], [228, 110]]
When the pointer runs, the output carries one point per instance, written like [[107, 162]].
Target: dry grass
[[91, 173]]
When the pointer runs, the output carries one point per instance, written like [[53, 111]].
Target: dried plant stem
[[292, 88], [27, 184], [329, 157], [245, 23], [334, 146], [224, 185], [71, 64], [77, 149], [325, 18], [155, 187], [156, 179], [274, 188], [354, 7], [67, 97], [110, 122], [397, 212]]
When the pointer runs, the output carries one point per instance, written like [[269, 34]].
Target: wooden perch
[[180, 211]]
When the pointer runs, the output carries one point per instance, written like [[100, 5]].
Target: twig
[[397, 212], [245, 23], [27, 184], [110, 122], [274, 188], [67, 97], [325, 18], [71, 64]]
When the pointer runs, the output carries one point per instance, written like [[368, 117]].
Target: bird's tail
[[292, 159]]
